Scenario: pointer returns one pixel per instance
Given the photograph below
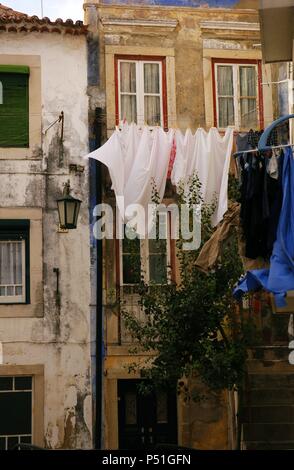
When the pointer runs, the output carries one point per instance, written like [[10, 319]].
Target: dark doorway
[[145, 420]]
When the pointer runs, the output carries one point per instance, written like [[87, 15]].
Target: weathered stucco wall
[[60, 339], [184, 42], [188, 42]]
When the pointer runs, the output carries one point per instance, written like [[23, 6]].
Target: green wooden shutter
[[14, 109]]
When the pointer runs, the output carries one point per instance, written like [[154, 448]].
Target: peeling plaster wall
[[185, 40], [60, 340], [127, 27]]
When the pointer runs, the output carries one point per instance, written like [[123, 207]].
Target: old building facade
[[45, 370], [64, 87], [193, 50]]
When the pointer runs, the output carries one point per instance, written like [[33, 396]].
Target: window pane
[[283, 99], [131, 269], [226, 112], [131, 260], [130, 246], [158, 268], [161, 408], [131, 408], [247, 81], [18, 290], [12, 441], [151, 78], [17, 262], [127, 77], [16, 413], [2, 443], [129, 108], [10, 291], [157, 246], [225, 80], [6, 383], [152, 110], [10, 263], [23, 383], [248, 113]]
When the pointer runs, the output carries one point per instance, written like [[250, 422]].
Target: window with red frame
[[237, 94], [141, 90]]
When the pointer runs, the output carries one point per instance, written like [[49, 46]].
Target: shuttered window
[[14, 106]]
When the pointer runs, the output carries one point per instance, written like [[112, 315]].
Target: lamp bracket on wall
[[59, 119]]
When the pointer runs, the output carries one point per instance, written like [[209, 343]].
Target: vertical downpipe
[[99, 293], [95, 141]]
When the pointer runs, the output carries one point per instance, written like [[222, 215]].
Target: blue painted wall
[[185, 3]]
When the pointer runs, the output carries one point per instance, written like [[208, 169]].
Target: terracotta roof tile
[[21, 22]]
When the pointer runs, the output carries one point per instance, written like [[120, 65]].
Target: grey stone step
[[271, 380], [268, 414], [270, 396], [268, 432], [259, 445]]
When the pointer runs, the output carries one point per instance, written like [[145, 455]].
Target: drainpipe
[[96, 128], [99, 293]]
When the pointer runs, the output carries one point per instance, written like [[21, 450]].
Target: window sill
[[21, 310], [20, 153]]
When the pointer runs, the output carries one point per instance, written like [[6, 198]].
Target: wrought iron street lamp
[[68, 209]]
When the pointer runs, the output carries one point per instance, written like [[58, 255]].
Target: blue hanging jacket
[[279, 278]]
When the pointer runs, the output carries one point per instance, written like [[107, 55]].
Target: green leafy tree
[[193, 327]]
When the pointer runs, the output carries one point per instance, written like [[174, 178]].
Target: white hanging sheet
[[208, 155], [135, 158]]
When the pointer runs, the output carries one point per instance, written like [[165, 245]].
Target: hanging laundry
[[279, 278], [212, 249], [136, 157], [253, 138], [261, 201], [273, 164], [208, 155], [172, 157], [184, 156], [243, 142]]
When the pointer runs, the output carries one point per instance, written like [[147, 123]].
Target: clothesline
[[136, 159], [236, 154], [177, 128]]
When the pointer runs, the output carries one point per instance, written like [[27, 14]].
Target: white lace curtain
[[226, 96], [10, 268], [246, 96]]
